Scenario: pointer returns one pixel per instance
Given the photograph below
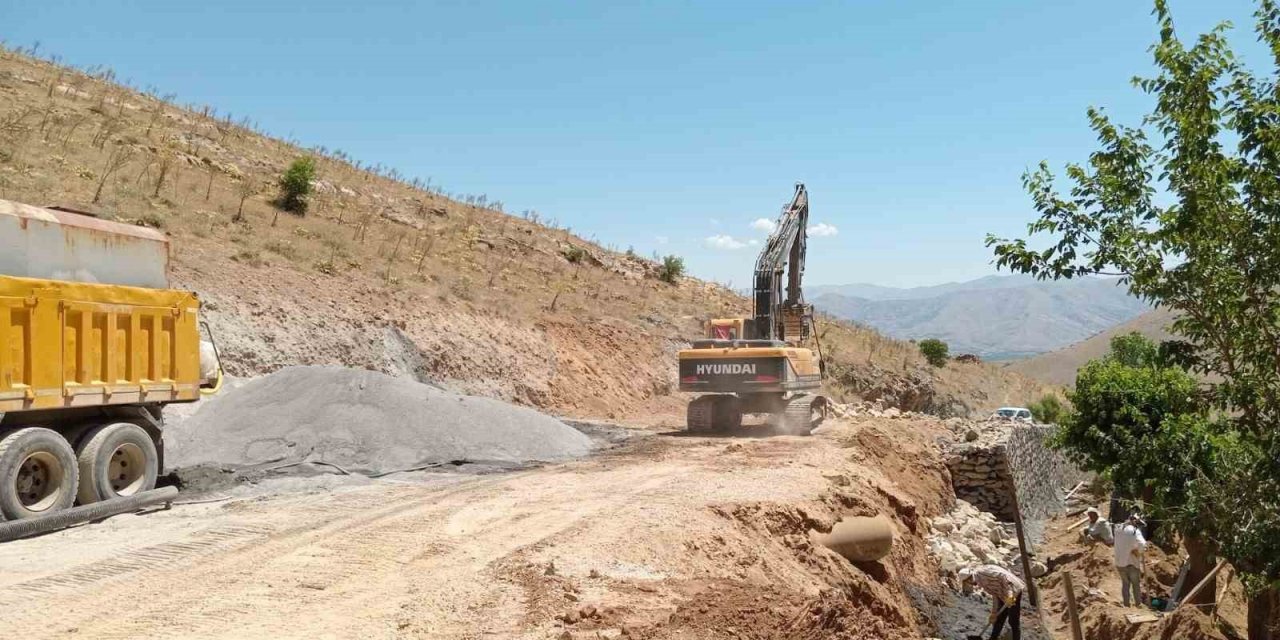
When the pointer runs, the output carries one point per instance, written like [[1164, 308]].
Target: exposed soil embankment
[[754, 571]]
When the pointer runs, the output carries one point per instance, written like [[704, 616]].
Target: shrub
[[1134, 350], [295, 186], [150, 219], [250, 257], [935, 351], [281, 248], [327, 267], [574, 254], [1048, 409], [671, 269]]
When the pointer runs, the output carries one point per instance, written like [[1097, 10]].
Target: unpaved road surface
[[667, 537]]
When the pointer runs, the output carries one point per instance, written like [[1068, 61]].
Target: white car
[[1016, 414]]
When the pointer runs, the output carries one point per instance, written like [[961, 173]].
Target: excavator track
[[802, 414], [714, 413], [701, 415]]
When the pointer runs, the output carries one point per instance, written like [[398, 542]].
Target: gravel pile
[[364, 421]]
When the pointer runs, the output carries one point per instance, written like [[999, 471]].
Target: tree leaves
[[1212, 255]]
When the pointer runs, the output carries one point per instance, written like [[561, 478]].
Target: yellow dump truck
[[93, 343]]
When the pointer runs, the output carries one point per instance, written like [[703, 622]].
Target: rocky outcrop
[[910, 391]]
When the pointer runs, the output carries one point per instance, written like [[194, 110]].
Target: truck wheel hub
[[38, 481], [125, 472]]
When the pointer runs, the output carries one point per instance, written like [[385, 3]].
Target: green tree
[[1121, 410], [935, 351], [1207, 248], [1134, 350], [1048, 409], [1144, 426], [295, 185], [671, 269]]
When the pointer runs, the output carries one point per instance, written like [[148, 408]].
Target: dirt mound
[[740, 610], [1186, 624], [363, 421]]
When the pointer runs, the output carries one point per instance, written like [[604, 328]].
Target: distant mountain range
[[996, 317]]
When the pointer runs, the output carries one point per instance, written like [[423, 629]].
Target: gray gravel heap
[[364, 421]]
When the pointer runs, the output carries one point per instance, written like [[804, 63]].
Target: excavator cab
[[726, 329]]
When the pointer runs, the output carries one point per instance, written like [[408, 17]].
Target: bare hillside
[[1059, 367], [393, 275]]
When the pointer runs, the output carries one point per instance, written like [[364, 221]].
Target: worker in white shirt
[[1129, 545], [1098, 529], [1006, 595]]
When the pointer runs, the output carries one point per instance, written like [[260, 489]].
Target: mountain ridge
[[996, 317], [871, 291], [1059, 366]]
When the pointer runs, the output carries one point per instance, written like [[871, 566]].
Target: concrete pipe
[[860, 539]]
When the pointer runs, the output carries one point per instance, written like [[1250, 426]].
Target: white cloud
[[763, 224], [724, 242], [753, 242], [823, 230], [662, 239], [715, 222]]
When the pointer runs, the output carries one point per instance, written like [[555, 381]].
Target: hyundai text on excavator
[[761, 364]]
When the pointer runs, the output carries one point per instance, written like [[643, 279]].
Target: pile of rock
[[873, 409], [982, 433], [968, 536]]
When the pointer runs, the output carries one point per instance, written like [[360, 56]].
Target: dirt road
[[667, 537]]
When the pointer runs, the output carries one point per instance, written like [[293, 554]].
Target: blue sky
[[671, 126]]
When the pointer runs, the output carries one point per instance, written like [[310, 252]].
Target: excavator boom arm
[[784, 248]]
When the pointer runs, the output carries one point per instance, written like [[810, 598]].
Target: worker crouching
[[1098, 529], [1005, 590]]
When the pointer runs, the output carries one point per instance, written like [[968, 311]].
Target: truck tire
[[38, 473], [116, 460]]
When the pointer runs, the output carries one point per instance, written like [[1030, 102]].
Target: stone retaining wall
[[1040, 474], [1006, 457], [980, 475]]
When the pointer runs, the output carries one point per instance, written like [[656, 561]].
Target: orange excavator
[[762, 364]]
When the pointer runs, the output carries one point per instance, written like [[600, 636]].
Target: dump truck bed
[[72, 344], [39, 242]]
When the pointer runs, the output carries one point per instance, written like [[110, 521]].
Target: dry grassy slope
[[1059, 367], [384, 275]]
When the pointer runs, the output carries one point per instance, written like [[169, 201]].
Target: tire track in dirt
[[319, 560], [85, 595], [642, 533]]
